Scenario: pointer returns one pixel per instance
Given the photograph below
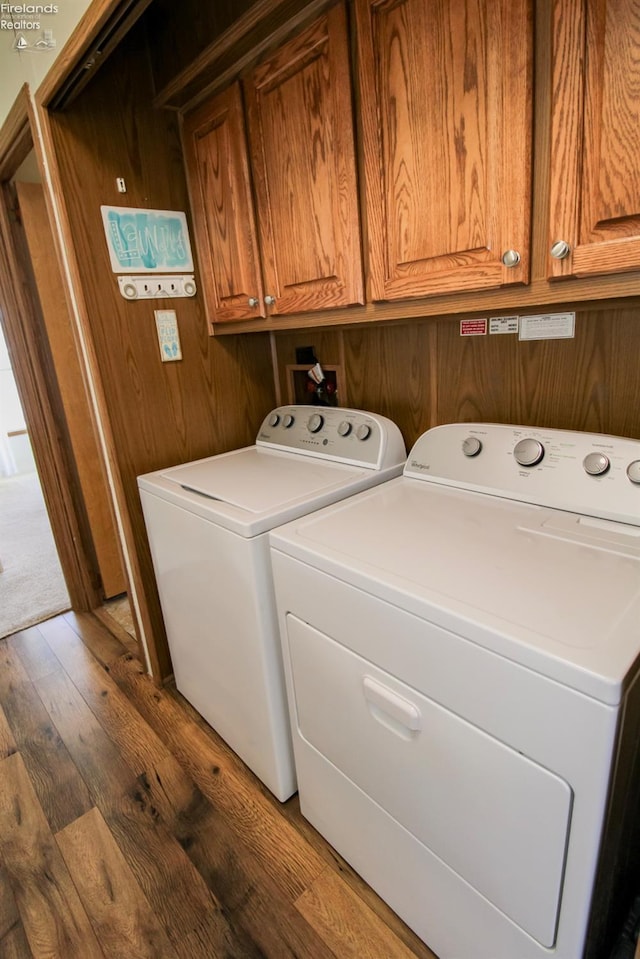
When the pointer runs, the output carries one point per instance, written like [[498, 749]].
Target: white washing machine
[[461, 651], [208, 524]]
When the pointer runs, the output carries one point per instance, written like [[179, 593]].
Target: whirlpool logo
[[420, 466]]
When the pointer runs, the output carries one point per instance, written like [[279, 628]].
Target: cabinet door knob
[[269, 300], [511, 258], [560, 249]]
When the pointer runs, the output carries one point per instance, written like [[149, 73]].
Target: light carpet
[[32, 587]]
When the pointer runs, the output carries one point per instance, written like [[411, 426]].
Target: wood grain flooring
[[129, 830]]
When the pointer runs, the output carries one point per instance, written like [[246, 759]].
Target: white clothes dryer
[[208, 524], [461, 652]]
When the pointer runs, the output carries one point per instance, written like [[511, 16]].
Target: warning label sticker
[[473, 327]]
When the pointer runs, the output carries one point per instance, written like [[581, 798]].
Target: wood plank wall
[[421, 374], [160, 414]]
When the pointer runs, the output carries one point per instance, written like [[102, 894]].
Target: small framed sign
[[168, 336], [147, 241]]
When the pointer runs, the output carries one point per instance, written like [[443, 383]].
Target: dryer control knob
[[288, 421], [315, 423], [633, 472], [363, 432], [528, 452], [596, 464], [471, 446], [344, 428], [273, 420]]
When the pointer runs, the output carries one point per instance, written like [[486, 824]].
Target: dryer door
[[495, 817]]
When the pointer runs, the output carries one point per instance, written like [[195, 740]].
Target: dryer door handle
[[399, 709]]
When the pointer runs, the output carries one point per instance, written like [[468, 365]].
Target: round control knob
[[363, 432], [633, 472], [528, 452], [471, 446], [273, 420], [315, 423], [130, 291], [560, 249], [189, 288], [595, 464], [510, 258], [344, 428], [288, 421]]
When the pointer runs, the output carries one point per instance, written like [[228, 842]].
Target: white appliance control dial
[[471, 446], [528, 452], [288, 421], [363, 432], [344, 428], [315, 423], [596, 464], [633, 471], [274, 419]]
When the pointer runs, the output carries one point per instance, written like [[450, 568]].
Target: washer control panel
[[350, 436], [589, 473]]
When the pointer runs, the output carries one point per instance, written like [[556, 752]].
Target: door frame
[[27, 344]]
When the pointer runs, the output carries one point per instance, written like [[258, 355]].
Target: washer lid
[[554, 591], [249, 491]]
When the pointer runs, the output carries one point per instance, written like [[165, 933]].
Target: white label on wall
[[503, 324], [548, 326], [168, 336]]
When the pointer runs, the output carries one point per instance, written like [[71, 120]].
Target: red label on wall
[[473, 327]]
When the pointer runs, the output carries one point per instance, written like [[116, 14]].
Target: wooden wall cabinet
[[303, 171], [446, 91], [215, 151], [594, 222]]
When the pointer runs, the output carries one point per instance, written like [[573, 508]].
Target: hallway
[[32, 586]]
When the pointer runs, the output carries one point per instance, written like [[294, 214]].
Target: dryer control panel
[[589, 473], [354, 437]]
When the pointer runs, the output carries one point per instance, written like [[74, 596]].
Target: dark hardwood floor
[[129, 829]]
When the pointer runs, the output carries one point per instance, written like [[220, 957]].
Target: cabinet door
[[303, 161], [215, 150], [446, 116], [595, 138]]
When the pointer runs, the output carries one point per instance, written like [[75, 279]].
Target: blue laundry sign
[[147, 241]]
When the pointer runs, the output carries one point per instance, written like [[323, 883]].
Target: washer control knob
[[288, 421], [274, 419], [471, 446], [633, 471], [315, 423], [344, 428], [363, 432], [595, 464], [528, 452]]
